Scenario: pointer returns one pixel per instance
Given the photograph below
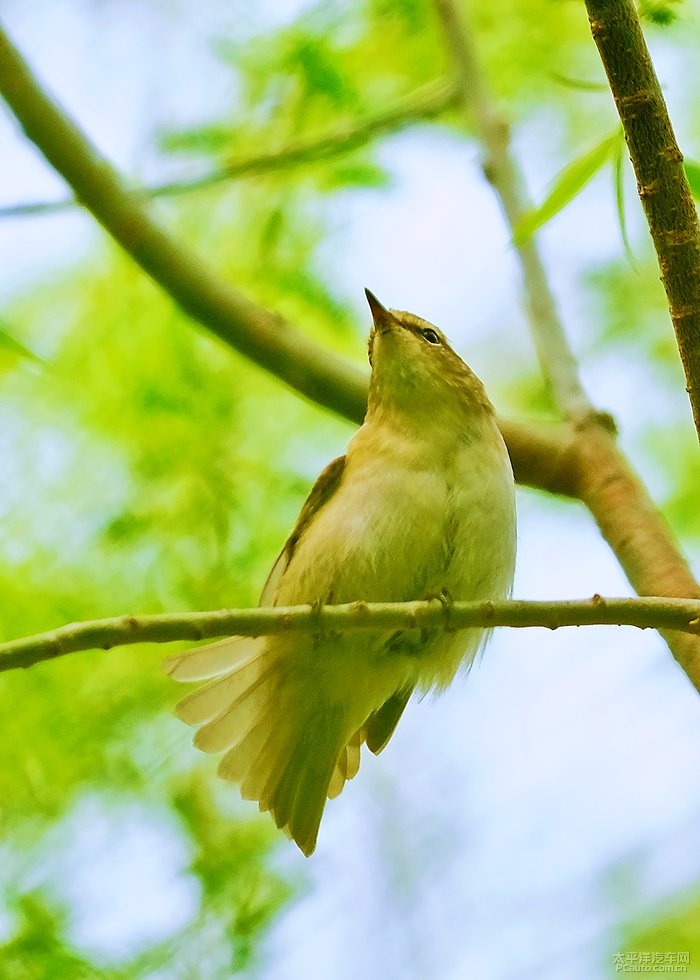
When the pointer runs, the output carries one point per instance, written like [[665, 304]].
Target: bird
[[421, 506]]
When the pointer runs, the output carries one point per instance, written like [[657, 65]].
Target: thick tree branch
[[658, 164], [427, 103], [580, 461], [653, 612], [501, 170]]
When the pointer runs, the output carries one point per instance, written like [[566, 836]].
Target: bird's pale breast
[[401, 527]]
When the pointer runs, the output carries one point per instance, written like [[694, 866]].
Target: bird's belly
[[404, 533]]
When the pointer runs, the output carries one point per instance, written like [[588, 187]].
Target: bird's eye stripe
[[431, 336]]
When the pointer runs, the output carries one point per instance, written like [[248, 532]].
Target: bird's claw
[[444, 597]]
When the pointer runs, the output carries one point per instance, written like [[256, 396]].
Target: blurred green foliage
[[146, 472], [673, 930]]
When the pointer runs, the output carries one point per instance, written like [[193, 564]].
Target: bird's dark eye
[[431, 336]]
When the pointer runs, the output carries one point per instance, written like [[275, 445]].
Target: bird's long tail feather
[[287, 749]]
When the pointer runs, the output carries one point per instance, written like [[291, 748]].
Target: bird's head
[[415, 372]]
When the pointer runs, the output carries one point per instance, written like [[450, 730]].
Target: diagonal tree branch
[[501, 170], [658, 165], [428, 102], [651, 612], [579, 461], [254, 331]]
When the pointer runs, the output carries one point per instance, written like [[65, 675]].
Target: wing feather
[[381, 724], [321, 492]]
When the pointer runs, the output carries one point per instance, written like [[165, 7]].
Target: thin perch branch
[[650, 612], [658, 165], [428, 102], [501, 170]]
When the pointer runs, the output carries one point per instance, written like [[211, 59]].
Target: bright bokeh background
[[544, 813]]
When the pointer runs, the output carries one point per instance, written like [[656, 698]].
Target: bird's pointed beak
[[383, 319]]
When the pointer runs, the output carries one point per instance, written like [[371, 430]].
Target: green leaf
[[578, 84], [316, 61], [11, 345], [660, 12], [568, 183], [619, 174], [692, 172], [354, 175], [209, 139]]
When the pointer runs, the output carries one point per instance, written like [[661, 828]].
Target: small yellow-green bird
[[422, 505]]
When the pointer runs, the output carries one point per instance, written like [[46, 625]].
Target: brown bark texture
[[658, 164]]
